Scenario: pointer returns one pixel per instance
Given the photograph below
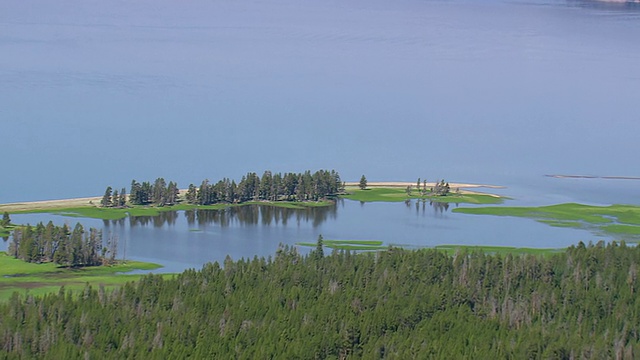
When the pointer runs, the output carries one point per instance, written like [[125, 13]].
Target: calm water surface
[[95, 93]]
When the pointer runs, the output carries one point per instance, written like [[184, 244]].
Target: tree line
[[580, 303], [270, 186], [440, 188], [61, 245]]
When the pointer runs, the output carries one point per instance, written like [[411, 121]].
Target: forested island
[[272, 187], [580, 303]]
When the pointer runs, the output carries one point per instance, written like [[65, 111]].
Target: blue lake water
[[96, 93]]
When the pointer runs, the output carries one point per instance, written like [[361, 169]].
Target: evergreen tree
[[363, 183], [319, 248], [6, 220], [190, 196], [122, 200], [115, 198], [106, 199]]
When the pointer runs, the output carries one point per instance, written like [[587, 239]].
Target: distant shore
[[561, 176]]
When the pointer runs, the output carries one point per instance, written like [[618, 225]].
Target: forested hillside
[[397, 304]]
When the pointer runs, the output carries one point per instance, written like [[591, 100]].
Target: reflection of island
[[438, 207], [243, 215]]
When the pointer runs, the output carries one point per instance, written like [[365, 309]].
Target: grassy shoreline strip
[[365, 245], [38, 279], [388, 194], [503, 250]]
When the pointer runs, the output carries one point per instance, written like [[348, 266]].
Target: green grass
[[4, 231], [389, 194], [503, 250], [37, 279], [449, 249], [348, 244], [612, 219]]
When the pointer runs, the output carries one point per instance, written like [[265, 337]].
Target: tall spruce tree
[[6, 220], [363, 183], [106, 199]]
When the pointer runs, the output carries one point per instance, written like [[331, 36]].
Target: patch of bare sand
[[429, 184], [50, 204], [464, 187]]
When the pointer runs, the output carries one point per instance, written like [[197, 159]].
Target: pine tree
[[106, 199], [115, 198], [6, 220], [319, 248], [363, 182], [122, 200], [190, 196]]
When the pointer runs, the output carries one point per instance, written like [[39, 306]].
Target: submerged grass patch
[[612, 219], [389, 194], [503, 250], [348, 244], [17, 275]]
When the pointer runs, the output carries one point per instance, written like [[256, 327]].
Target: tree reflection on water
[[242, 215]]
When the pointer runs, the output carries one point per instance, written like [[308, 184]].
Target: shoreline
[[50, 204], [464, 187], [429, 184], [93, 201]]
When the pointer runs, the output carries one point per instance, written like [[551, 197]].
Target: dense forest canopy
[[582, 303], [270, 186], [60, 244]]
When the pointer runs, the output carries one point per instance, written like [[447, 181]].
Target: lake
[[96, 93]]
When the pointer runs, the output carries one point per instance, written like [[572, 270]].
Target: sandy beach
[[429, 184], [50, 204]]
